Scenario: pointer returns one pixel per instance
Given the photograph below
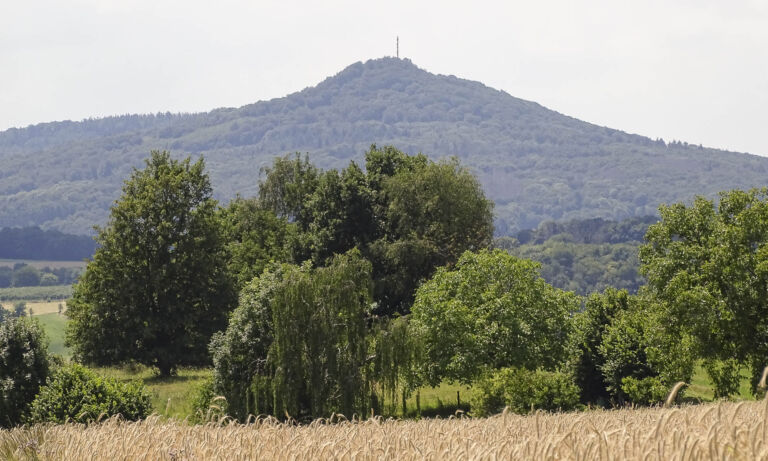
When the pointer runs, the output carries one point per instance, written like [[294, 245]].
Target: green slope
[[53, 325]]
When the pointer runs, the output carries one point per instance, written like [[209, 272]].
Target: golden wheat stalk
[[673, 393]]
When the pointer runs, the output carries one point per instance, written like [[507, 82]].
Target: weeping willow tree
[[396, 353], [241, 370], [298, 343]]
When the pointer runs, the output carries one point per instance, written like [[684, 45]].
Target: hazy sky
[[693, 70]]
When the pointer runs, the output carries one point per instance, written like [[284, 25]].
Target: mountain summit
[[536, 164]]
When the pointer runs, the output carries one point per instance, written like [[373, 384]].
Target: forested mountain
[[536, 164]]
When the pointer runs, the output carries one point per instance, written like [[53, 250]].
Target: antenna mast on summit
[[397, 47]]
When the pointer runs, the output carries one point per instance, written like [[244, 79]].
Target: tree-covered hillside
[[536, 164], [585, 256]]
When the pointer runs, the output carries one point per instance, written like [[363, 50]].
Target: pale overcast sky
[[692, 70]]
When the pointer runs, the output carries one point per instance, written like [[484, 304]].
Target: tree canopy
[[406, 214], [491, 311], [158, 286], [708, 266]]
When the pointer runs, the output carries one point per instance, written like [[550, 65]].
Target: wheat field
[[714, 431]]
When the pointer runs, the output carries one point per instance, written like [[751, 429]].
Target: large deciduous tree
[[157, 287], [432, 212], [708, 266], [406, 214], [491, 310]]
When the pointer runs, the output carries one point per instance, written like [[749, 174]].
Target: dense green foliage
[[637, 345], [584, 256], [24, 367], [622, 351], [240, 352], [535, 164], [157, 287], [521, 391], [589, 331], [35, 243], [297, 344], [707, 266], [433, 213], [491, 311], [397, 358], [406, 214], [255, 237], [586, 268], [74, 393], [644, 391]]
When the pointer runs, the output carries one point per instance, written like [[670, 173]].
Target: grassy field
[[701, 387], [36, 294], [712, 431], [171, 397], [39, 264], [443, 400], [54, 324]]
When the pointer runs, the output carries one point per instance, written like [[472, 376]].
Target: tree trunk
[[166, 370]]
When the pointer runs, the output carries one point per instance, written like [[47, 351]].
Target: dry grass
[[39, 307], [713, 431]]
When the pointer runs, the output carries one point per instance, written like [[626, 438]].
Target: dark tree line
[[35, 243], [24, 275]]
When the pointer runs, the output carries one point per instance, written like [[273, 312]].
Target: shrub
[[726, 376], [48, 279], [206, 405], [523, 390], [24, 367], [644, 391], [78, 394]]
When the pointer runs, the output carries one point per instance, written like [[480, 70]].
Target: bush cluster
[[523, 390], [75, 393]]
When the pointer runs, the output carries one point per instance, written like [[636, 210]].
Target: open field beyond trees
[[714, 431], [39, 307], [35, 294], [39, 264]]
